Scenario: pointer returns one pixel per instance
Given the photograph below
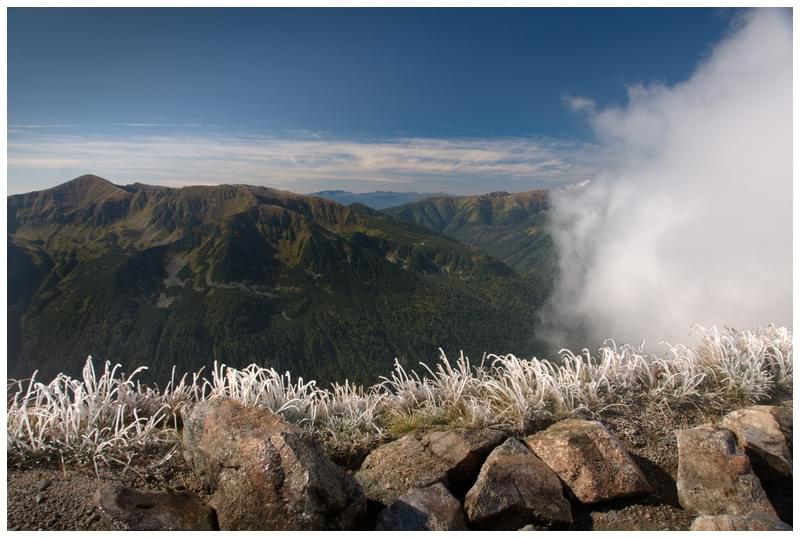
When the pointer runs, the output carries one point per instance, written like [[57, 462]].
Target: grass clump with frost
[[109, 418]]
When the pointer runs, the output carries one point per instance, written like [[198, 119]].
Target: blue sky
[[453, 100]]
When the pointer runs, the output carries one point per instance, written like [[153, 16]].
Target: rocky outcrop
[[715, 476], [760, 434], [514, 489], [419, 460], [754, 521], [135, 510], [267, 474], [424, 509], [590, 460]]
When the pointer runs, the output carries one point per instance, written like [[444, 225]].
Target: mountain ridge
[[374, 199], [512, 227], [158, 275]]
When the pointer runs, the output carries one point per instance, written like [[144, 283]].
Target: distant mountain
[[510, 227], [155, 276], [375, 200]]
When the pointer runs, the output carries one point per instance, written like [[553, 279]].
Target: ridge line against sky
[[462, 101]]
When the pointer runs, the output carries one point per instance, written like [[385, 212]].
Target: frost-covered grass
[[107, 417]]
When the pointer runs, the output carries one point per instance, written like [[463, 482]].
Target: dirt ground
[[47, 496]]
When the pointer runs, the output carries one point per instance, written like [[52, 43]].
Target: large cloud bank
[[692, 223]]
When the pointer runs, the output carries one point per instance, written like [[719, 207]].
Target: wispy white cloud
[[147, 125], [39, 126], [576, 103], [303, 164]]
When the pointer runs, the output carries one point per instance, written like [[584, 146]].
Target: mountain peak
[[87, 186], [86, 180], [497, 194], [83, 191]]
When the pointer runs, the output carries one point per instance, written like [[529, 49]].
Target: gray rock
[[267, 474], [515, 488], [135, 510], [715, 476], [419, 460], [424, 509], [758, 431], [590, 460], [754, 521], [43, 484]]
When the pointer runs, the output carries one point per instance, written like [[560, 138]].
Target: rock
[[537, 420], [419, 460], [715, 476], [528, 528], [590, 460], [758, 431], [43, 484], [515, 488], [424, 509], [131, 509], [267, 474], [754, 521], [39, 498]]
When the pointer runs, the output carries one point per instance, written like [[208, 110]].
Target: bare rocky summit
[[590, 460], [715, 476], [424, 509], [762, 431], [419, 460], [754, 521], [247, 468], [514, 489], [267, 474]]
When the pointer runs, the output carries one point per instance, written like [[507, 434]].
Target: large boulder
[[760, 431], [754, 521], [514, 489], [715, 476], [267, 474], [420, 459], [590, 460], [134, 510], [424, 509]]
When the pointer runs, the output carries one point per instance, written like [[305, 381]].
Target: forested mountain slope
[[156, 276], [510, 227]]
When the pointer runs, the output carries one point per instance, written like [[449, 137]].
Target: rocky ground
[[46, 495]]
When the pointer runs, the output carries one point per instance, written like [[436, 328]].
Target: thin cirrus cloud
[[301, 164]]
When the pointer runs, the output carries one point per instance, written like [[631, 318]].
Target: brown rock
[[419, 460], [754, 521], [714, 475], [268, 474], [758, 431], [424, 509], [515, 488], [135, 510], [590, 460]]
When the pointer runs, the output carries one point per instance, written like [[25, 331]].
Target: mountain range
[[376, 199], [509, 227], [150, 275]]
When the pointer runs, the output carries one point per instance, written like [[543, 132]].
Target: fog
[[691, 220]]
